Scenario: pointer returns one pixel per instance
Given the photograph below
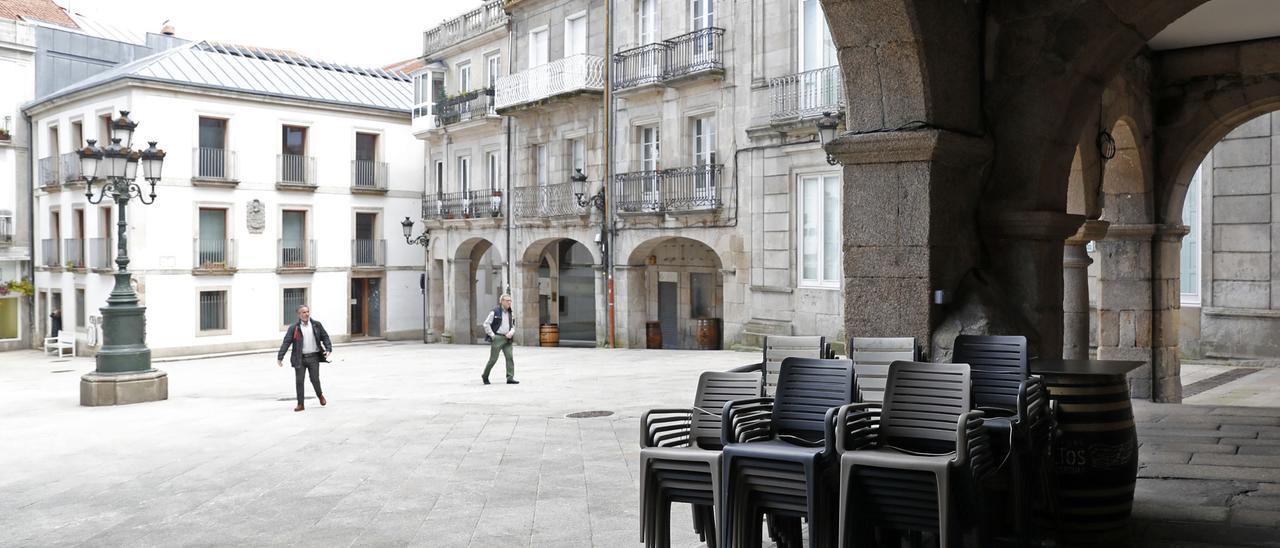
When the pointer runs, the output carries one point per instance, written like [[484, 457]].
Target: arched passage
[[477, 283], [559, 287], [674, 284]]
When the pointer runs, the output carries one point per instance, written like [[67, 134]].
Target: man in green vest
[[499, 329]]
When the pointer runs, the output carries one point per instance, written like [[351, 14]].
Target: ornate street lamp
[[827, 133], [423, 240], [123, 372], [579, 181]]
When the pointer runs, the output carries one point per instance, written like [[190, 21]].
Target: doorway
[[668, 306], [366, 307]]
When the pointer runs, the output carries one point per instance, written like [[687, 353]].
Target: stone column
[[1125, 300], [1166, 362], [1075, 289], [460, 302], [629, 305]]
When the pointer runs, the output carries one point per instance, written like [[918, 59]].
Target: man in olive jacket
[[309, 345]]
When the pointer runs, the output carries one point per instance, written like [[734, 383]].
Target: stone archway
[[477, 269], [559, 283], [674, 281]]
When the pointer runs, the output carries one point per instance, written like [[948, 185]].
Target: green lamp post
[[123, 373]]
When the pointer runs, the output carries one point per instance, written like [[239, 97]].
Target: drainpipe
[[506, 122], [606, 222], [31, 234]]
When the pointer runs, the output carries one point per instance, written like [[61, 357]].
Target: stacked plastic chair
[[1017, 412], [779, 453], [871, 358], [680, 457], [909, 463], [778, 348]]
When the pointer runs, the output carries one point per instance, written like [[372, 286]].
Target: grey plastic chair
[[1016, 407], [779, 453], [780, 347], [871, 358], [903, 463], [680, 457]]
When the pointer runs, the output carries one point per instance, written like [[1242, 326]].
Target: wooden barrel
[[549, 335], [1095, 456], [652, 334], [706, 333]]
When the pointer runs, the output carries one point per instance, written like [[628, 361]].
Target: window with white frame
[[464, 77], [493, 69], [464, 174], [649, 148], [819, 230], [492, 174], [817, 49], [439, 178], [646, 22], [540, 165], [704, 141], [702, 13], [577, 155], [1190, 260], [538, 47], [80, 309], [213, 310], [575, 34]]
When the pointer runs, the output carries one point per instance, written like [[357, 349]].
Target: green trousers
[[503, 344]]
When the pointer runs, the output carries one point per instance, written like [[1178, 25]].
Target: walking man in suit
[[309, 345], [499, 329]]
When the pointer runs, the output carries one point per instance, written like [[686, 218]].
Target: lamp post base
[[98, 389]]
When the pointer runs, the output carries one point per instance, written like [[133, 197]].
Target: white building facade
[[284, 184], [17, 71]]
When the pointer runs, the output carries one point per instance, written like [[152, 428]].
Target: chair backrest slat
[[780, 347], [871, 358], [999, 365], [715, 388], [922, 404], [807, 388]]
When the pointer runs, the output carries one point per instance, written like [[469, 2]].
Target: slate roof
[[272, 73]]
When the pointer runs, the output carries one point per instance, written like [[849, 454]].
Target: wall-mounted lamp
[[579, 181], [827, 132], [1106, 145]]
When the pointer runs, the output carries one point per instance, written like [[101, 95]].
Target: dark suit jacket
[[293, 343]]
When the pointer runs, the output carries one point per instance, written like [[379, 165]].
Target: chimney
[[167, 30]]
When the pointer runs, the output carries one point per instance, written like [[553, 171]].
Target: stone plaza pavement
[[413, 450]]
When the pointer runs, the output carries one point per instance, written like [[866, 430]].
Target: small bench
[[65, 341]]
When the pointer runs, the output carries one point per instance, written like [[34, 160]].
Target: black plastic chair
[[871, 358], [1016, 407], [778, 348], [779, 453], [903, 462], [680, 457]]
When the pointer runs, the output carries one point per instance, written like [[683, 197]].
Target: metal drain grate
[[588, 414]]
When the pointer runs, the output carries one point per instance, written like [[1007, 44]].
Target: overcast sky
[[359, 32]]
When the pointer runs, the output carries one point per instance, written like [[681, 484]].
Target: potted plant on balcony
[[4, 134], [22, 287], [213, 265]]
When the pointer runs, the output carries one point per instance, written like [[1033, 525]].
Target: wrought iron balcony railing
[[50, 172], [807, 94], [213, 255], [100, 253], [571, 74], [685, 55], [464, 27], [70, 168], [473, 204], [213, 164], [295, 171], [49, 253], [73, 252], [684, 189], [296, 254], [548, 201], [469, 106], [368, 253], [368, 175]]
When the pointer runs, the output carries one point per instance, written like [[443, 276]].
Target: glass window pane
[[293, 298], [213, 133], [294, 140], [213, 311], [831, 229], [1190, 256], [809, 228], [366, 147]]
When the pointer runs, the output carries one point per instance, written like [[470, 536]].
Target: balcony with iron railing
[[694, 189], [73, 253], [213, 257], [369, 176], [545, 202], [472, 105], [368, 253], [70, 168], [295, 172], [100, 254], [213, 167], [472, 204], [806, 95], [573, 74], [50, 169], [50, 254], [685, 56], [469, 25], [295, 256]]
